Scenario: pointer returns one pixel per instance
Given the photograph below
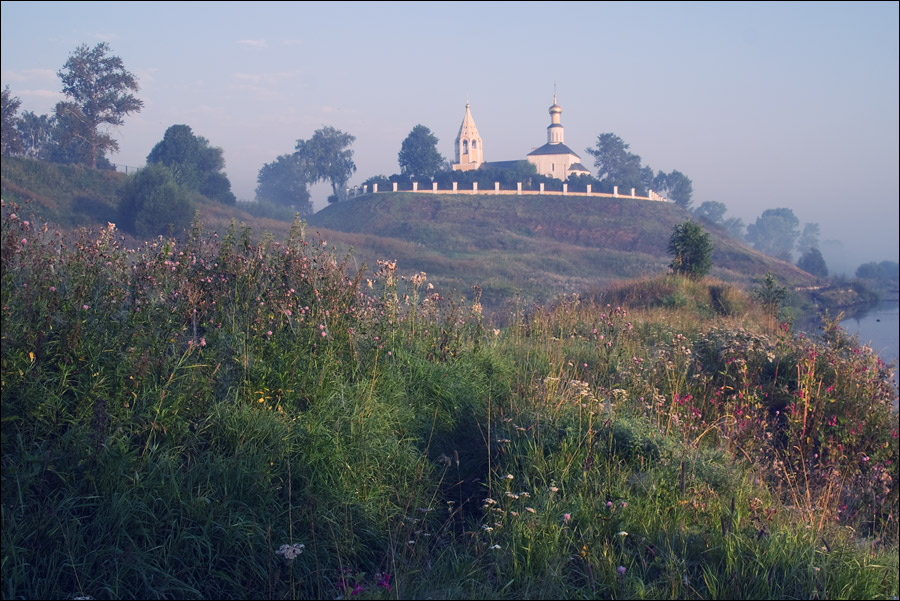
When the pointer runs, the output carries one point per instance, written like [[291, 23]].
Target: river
[[879, 328]]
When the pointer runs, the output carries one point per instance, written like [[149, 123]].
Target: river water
[[879, 328]]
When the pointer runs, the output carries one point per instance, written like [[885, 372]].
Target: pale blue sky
[[762, 105]]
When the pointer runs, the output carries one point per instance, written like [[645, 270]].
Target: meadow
[[239, 417]]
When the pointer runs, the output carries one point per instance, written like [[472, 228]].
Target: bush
[[153, 204], [692, 249]]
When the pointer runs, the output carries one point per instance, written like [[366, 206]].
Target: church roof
[[578, 167], [552, 149]]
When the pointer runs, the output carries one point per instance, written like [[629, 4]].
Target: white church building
[[553, 159]]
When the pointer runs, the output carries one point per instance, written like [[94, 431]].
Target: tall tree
[[327, 157], [419, 157], [9, 134], [616, 166], [774, 233], [99, 95], [813, 262], [38, 135], [283, 182], [711, 211], [152, 203], [681, 188], [809, 239], [193, 162]]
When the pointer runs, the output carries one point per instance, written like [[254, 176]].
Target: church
[[553, 159]]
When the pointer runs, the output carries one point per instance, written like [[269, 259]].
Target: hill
[[531, 247], [537, 246]]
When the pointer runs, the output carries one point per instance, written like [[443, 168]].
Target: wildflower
[[52, 288], [384, 580], [358, 588], [554, 489], [530, 509], [290, 552], [494, 547], [624, 504], [269, 333], [623, 534], [85, 307], [609, 504], [509, 476], [490, 501], [621, 570], [567, 517]]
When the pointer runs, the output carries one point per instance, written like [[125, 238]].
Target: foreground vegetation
[[224, 418]]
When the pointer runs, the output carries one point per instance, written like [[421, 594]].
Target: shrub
[[691, 249]]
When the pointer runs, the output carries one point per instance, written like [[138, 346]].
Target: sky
[[763, 105]]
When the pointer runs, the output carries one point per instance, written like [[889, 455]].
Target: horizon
[[762, 105]]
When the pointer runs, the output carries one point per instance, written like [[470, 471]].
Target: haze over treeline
[[796, 107]]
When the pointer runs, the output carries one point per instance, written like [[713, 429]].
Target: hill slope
[[539, 246]]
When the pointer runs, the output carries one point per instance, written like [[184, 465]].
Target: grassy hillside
[[540, 246], [239, 417]]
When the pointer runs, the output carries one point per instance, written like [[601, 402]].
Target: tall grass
[[227, 417]]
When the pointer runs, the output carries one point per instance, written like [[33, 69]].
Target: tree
[[691, 249], [152, 203], [809, 239], [194, 163], [681, 188], [38, 135], [283, 182], [735, 227], [774, 233], [327, 157], [616, 166], [813, 262], [711, 211], [10, 143], [419, 157], [99, 95]]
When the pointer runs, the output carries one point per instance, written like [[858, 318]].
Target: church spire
[[555, 132], [468, 150]]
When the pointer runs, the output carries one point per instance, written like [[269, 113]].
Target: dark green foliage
[[99, 94], [419, 158], [194, 164], [154, 204], [691, 249], [813, 262]]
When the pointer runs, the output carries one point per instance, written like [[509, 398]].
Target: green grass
[[174, 415]]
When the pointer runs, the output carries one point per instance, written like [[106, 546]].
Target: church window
[[474, 144], [465, 147]]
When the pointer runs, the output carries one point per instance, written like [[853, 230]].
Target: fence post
[[632, 192], [434, 187], [395, 186], [542, 187], [589, 189], [415, 186], [565, 189], [496, 186], [474, 187], [365, 188], [518, 188], [454, 187], [616, 191]]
